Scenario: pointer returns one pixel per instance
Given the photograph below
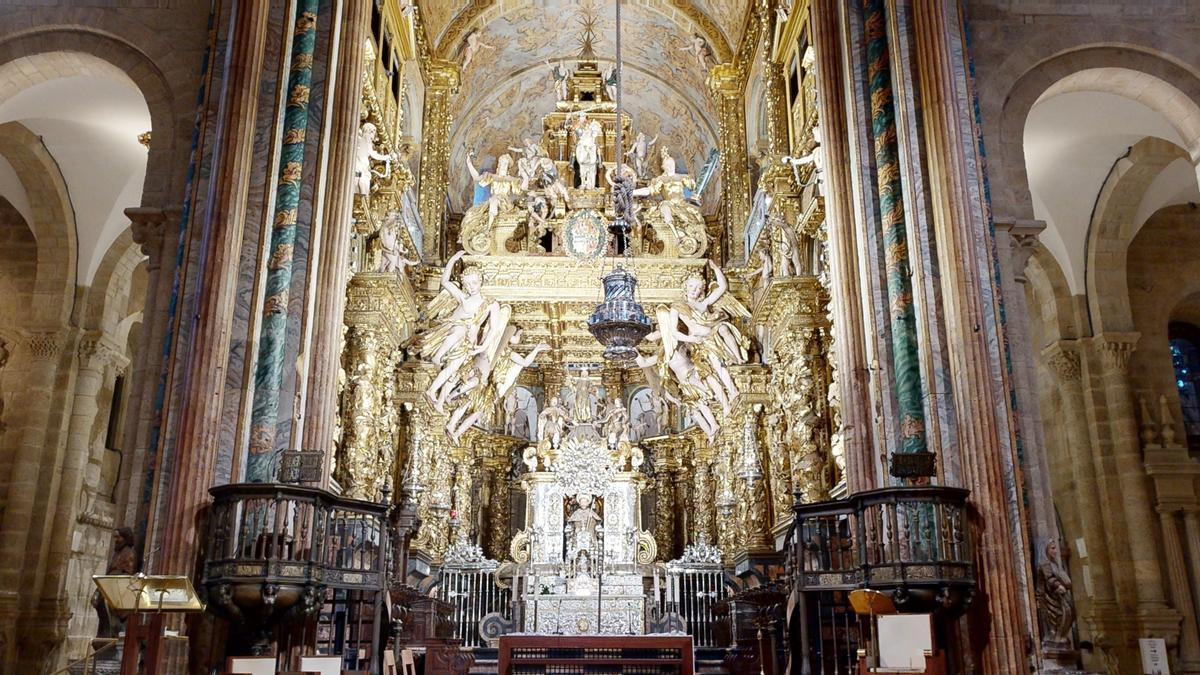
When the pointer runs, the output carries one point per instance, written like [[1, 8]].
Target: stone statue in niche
[[1056, 607], [364, 152], [391, 257], [122, 561], [582, 539], [789, 254]]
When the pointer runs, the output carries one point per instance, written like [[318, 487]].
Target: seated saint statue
[[479, 221], [682, 217], [583, 522]]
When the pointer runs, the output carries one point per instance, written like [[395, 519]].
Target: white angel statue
[[494, 372], [474, 43], [364, 152], [698, 48], [639, 151]]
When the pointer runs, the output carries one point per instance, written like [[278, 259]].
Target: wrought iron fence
[[694, 587], [469, 581]]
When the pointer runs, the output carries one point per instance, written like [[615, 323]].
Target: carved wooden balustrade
[[911, 543], [278, 552]]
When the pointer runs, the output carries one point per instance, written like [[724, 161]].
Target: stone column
[[96, 355], [1189, 640], [320, 416], [149, 226], [849, 346], [1191, 528], [202, 401], [440, 88], [1115, 350], [727, 84], [42, 353]]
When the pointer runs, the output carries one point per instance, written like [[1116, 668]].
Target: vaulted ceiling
[[507, 89]]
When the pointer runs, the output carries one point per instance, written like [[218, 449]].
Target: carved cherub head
[[693, 287], [472, 279]]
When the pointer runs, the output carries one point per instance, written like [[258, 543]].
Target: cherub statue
[[473, 44], [364, 152], [560, 73], [698, 48], [640, 151]]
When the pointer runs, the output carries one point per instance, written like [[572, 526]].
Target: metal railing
[[903, 537], [468, 581], [694, 586]]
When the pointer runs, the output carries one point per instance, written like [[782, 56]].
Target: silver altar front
[[584, 569]]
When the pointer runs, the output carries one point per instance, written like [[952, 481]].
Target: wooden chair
[[408, 665]]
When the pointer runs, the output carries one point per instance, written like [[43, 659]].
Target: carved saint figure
[[639, 151], [790, 262], [616, 422], [587, 151], [552, 424], [471, 47], [610, 82], [560, 73], [504, 187], [122, 561], [583, 522], [391, 258], [765, 267], [364, 152], [681, 217], [814, 157], [1055, 603], [527, 161], [581, 407]]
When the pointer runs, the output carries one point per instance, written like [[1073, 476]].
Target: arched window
[[1185, 357]]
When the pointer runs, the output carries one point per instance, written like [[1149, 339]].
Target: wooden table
[[616, 653]]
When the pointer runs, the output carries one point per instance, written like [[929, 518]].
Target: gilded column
[[208, 358], [269, 369], [320, 416], [702, 503], [727, 84], [664, 511], [442, 80], [1115, 351], [854, 373], [498, 513]]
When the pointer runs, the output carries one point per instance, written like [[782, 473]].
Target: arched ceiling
[[95, 145], [507, 89]]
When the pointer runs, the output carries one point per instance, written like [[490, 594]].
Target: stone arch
[[1051, 302], [53, 223], [108, 300], [1011, 191], [22, 53], [1113, 228]]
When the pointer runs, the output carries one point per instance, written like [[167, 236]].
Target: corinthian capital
[[1116, 348], [1062, 358]]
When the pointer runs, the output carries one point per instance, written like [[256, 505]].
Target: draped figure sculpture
[[587, 151], [680, 216], [491, 376], [480, 220]]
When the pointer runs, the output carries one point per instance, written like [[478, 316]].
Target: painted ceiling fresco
[[437, 15], [728, 14], [506, 87]]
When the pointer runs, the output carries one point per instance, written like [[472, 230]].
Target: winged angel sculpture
[[697, 343], [474, 344]]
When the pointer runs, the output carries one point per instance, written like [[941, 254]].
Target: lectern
[[145, 601]]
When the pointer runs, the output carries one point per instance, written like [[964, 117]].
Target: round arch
[[26, 46], [1174, 96], [1113, 228], [52, 223]]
